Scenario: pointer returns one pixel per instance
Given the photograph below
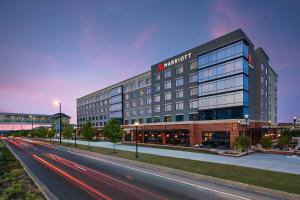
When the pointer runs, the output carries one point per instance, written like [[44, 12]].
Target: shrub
[[266, 142], [242, 143]]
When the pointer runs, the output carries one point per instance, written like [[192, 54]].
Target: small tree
[[266, 142], [88, 132], [43, 132], [112, 130], [284, 141], [67, 131], [243, 143], [51, 133]]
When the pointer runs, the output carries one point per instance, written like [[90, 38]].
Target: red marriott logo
[[160, 67]]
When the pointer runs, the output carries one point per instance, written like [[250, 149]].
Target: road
[[72, 175]]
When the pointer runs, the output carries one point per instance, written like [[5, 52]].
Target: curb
[[186, 174], [41, 186]]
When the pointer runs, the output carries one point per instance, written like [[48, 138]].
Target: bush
[[266, 142], [242, 143]]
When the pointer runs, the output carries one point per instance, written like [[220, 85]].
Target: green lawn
[[263, 178], [14, 182]]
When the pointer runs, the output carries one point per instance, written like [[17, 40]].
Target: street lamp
[[136, 139], [269, 122], [295, 119], [246, 118], [295, 141], [56, 103], [31, 125]]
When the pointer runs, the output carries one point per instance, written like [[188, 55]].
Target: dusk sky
[[60, 49]]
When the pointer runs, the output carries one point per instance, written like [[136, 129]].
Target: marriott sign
[[174, 61]]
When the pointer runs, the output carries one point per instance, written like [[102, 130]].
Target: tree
[[51, 132], [67, 131], [112, 130], [88, 132], [284, 141], [242, 143], [43, 132], [266, 142]]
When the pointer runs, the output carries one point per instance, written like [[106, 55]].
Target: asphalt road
[[73, 175]]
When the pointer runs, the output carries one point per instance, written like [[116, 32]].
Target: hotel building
[[207, 95]]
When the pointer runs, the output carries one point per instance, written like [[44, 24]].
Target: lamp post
[[31, 125], [59, 103], [136, 139], [75, 137], [246, 118], [269, 131], [295, 119], [239, 125]]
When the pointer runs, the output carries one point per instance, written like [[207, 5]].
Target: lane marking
[[80, 168], [157, 175]]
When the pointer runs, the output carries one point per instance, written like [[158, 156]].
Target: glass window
[[168, 107], [167, 96], [157, 87], [193, 77], [140, 112], [133, 113], [194, 91], [126, 96], [221, 85], [179, 106], [167, 85], [221, 54], [148, 110], [220, 69], [194, 103], [179, 81], [193, 65], [230, 83], [179, 70], [179, 118], [238, 97], [168, 73], [148, 101], [230, 51], [179, 93], [229, 99], [156, 119], [141, 92], [156, 98], [157, 108], [141, 83], [133, 104], [148, 90], [141, 102]]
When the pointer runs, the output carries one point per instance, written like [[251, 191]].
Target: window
[[157, 108], [140, 112], [126, 96], [193, 91], [156, 119], [148, 81], [168, 107], [148, 111], [126, 105], [133, 113], [140, 83], [149, 120], [126, 113], [156, 98], [179, 106], [193, 117], [141, 92], [167, 85], [179, 81], [148, 90], [133, 104], [193, 78], [194, 103], [179, 70], [179, 94], [157, 87], [193, 65], [168, 73], [167, 96], [168, 118], [179, 118], [141, 102], [148, 101], [157, 77]]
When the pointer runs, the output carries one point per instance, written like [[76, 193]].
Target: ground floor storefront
[[214, 134]]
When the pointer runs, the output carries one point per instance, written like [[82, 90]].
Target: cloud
[[142, 39]]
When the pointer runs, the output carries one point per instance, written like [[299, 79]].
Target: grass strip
[[14, 182]]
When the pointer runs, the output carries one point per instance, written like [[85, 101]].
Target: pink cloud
[[141, 39]]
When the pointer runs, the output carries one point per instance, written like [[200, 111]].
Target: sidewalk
[[260, 161]]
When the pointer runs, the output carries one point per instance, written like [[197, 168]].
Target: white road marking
[[157, 175], [80, 168]]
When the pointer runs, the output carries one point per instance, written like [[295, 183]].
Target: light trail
[[116, 183], [71, 178]]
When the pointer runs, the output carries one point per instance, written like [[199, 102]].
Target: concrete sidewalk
[[277, 163]]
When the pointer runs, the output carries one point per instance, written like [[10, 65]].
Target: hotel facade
[[207, 95]]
